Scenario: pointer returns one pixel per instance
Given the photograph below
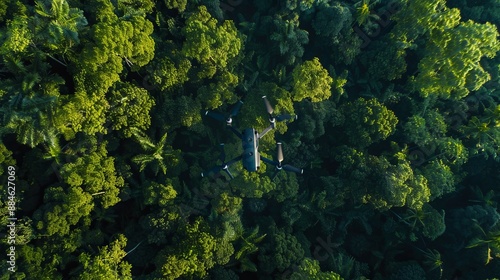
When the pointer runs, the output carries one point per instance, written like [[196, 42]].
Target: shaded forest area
[[398, 132]]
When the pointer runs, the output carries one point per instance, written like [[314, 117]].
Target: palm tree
[[157, 155], [29, 118], [433, 260], [490, 239], [485, 199], [414, 217], [247, 247], [485, 133], [363, 11], [493, 115], [28, 107], [58, 25]]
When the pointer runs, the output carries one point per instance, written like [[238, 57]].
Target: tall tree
[[451, 64], [288, 38], [95, 173], [108, 264], [211, 44], [129, 107], [111, 43], [63, 209], [368, 121], [311, 80], [193, 257], [418, 18]]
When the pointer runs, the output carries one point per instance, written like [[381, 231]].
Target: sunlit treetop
[[311, 80], [418, 17], [451, 66], [176, 4], [111, 45], [211, 44], [368, 121]]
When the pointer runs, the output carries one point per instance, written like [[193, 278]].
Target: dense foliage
[[398, 131]]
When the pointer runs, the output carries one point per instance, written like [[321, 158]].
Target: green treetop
[[82, 112], [330, 19], [419, 192], [29, 93], [210, 44], [280, 251], [385, 60], [16, 37], [226, 204], [136, 6], [129, 107], [450, 67], [484, 135], [311, 80], [5, 158], [288, 39], [176, 4], [409, 271], [418, 17], [160, 224], [314, 119], [62, 209], [169, 73], [427, 129], [368, 121], [216, 93], [34, 261], [441, 179], [453, 151], [108, 264], [425, 220], [158, 194], [177, 112], [112, 43], [309, 270], [95, 173], [394, 184], [3, 10], [252, 184], [479, 11], [193, 256]]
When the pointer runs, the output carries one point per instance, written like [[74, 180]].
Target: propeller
[[215, 115], [278, 165], [222, 152], [236, 108], [273, 119], [280, 153], [224, 166], [290, 168], [229, 119], [269, 108]]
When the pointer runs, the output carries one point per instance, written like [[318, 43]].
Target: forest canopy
[[391, 108]]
